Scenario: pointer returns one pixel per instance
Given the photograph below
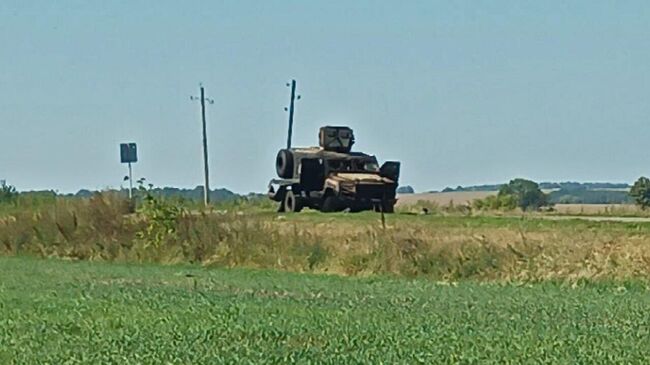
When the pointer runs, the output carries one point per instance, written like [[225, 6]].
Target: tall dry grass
[[95, 228], [440, 248]]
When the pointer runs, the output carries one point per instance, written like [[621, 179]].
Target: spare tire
[[284, 164]]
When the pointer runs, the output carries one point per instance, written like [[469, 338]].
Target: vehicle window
[[371, 166]]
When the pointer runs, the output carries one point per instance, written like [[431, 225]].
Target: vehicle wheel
[[292, 203], [330, 204], [284, 164]]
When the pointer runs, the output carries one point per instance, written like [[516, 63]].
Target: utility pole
[[206, 186], [293, 98]]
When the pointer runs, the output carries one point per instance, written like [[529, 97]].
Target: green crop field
[[55, 311], [91, 281]]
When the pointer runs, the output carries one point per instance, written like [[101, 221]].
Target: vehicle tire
[[330, 204], [292, 203], [284, 164]]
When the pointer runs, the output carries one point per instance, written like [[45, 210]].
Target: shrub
[[495, 202], [8, 193], [526, 194], [641, 192], [160, 217]]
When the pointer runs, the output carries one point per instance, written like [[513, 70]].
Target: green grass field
[[57, 312]]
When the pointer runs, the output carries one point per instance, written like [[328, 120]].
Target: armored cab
[[331, 177], [336, 139]]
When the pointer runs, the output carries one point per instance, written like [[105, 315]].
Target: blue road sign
[[128, 152]]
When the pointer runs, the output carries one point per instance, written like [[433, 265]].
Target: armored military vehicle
[[332, 178]]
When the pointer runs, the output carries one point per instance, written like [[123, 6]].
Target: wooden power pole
[[206, 185], [294, 97]]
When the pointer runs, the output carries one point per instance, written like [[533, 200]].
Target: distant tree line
[[567, 186], [570, 185], [196, 194], [570, 192], [585, 196]]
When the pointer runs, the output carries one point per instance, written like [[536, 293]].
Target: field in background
[[465, 198], [57, 312], [443, 199], [622, 210]]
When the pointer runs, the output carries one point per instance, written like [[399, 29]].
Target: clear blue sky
[[462, 92]]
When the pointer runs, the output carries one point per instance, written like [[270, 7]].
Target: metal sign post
[[128, 155], [130, 182]]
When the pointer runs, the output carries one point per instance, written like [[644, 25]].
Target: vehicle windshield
[[353, 166], [371, 166]]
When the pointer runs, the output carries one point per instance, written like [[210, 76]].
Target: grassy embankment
[[452, 246], [54, 311]]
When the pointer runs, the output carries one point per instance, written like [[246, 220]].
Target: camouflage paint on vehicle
[[331, 177]]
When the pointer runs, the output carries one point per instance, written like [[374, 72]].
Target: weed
[[8, 193], [160, 217]]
